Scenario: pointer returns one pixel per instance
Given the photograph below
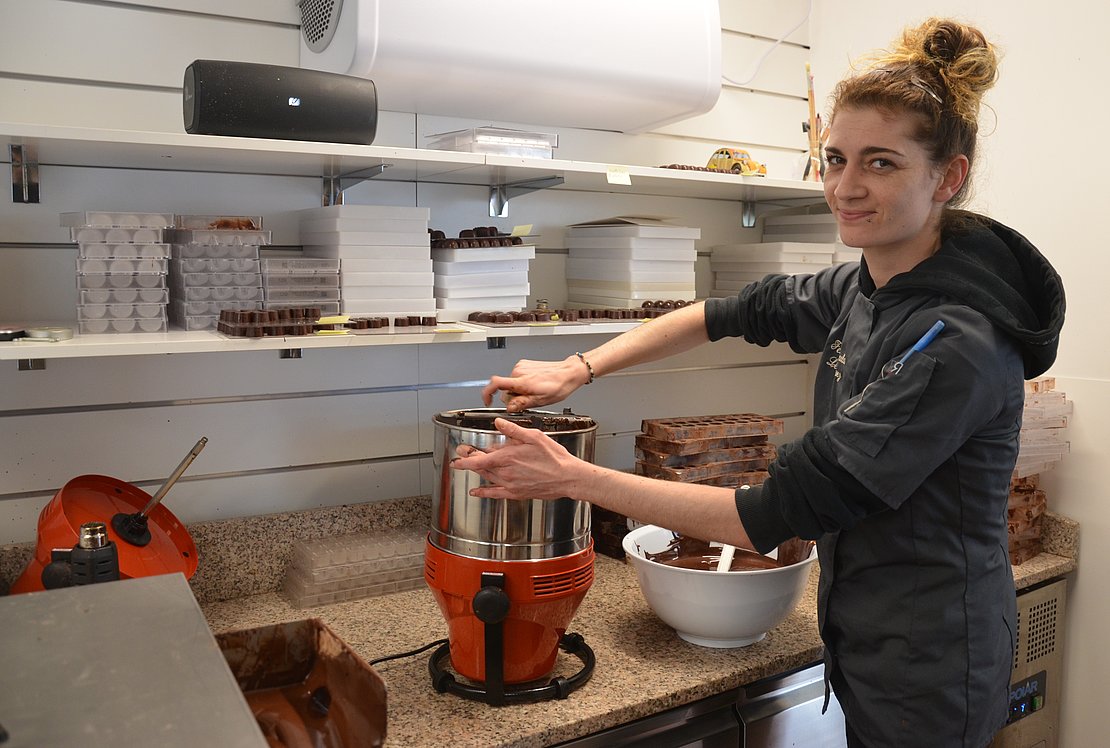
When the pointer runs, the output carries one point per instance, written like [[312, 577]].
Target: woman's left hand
[[530, 466]]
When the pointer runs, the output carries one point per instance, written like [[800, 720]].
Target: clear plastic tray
[[222, 238], [121, 219], [300, 597], [182, 308], [124, 296], [203, 322], [336, 551], [121, 280], [218, 222], [218, 293], [133, 324], [215, 251], [116, 266], [123, 251], [302, 295], [100, 235], [218, 279], [87, 312], [215, 265], [296, 280], [376, 573], [326, 308], [496, 140], [300, 264]]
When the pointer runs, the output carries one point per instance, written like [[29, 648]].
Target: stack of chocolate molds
[[1043, 443], [718, 450]]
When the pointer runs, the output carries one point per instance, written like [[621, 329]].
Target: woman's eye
[[882, 163], [834, 160]]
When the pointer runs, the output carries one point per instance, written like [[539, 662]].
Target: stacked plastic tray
[[471, 279], [214, 267], [122, 261], [384, 256], [295, 281], [735, 266], [623, 262], [351, 567]]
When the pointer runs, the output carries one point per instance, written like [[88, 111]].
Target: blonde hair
[[939, 71]]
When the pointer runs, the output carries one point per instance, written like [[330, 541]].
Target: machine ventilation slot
[[1041, 630], [557, 584], [429, 569], [319, 19]]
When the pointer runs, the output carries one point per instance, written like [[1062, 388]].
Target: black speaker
[[252, 100]]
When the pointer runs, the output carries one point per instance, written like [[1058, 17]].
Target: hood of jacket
[[999, 273]]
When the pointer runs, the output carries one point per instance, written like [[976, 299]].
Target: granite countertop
[[642, 666]]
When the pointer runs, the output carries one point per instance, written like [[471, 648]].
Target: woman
[[904, 478]]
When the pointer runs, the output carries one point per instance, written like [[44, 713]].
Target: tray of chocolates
[[544, 316], [710, 427], [662, 459], [694, 446], [479, 237], [718, 450]]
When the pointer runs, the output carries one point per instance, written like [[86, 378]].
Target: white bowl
[[711, 608]]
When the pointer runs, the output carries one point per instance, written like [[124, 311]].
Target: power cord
[[763, 58], [414, 652]]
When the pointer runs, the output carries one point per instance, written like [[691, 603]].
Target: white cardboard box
[[645, 226]]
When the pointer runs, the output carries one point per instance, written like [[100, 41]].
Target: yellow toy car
[[737, 161]]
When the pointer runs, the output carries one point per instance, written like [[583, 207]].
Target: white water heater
[[624, 65]]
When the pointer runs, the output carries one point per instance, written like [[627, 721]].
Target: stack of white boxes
[[475, 279], [122, 261], [214, 267], [792, 244], [622, 262], [385, 263]]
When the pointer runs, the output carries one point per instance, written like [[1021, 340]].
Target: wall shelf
[[129, 149], [206, 341], [347, 164]]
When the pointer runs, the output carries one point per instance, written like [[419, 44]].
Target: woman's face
[[885, 192]]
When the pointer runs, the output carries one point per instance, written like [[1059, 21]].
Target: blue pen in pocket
[[896, 366]]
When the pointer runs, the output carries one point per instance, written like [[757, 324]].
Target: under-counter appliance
[[784, 710], [508, 575], [1038, 669]]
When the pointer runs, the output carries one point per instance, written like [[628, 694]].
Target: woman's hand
[[533, 384], [530, 466]]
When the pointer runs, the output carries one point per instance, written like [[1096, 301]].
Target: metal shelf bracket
[[25, 173], [333, 186], [500, 194], [747, 217]]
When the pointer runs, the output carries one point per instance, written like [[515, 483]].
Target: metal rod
[[174, 476]]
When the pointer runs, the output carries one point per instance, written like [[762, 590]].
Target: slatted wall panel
[[338, 425]]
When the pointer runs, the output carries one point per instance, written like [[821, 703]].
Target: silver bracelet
[[589, 368]]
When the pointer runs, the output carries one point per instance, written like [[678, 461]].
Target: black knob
[[491, 605]]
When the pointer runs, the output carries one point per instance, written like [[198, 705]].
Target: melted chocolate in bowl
[[691, 553]]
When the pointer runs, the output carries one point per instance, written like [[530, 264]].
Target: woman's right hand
[[533, 384]]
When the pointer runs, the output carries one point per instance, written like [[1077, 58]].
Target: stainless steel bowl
[[505, 529]]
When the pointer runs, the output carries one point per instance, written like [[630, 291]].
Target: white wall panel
[[141, 444], [779, 71], [194, 499], [85, 382], [770, 19], [129, 45], [272, 11], [748, 117]]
